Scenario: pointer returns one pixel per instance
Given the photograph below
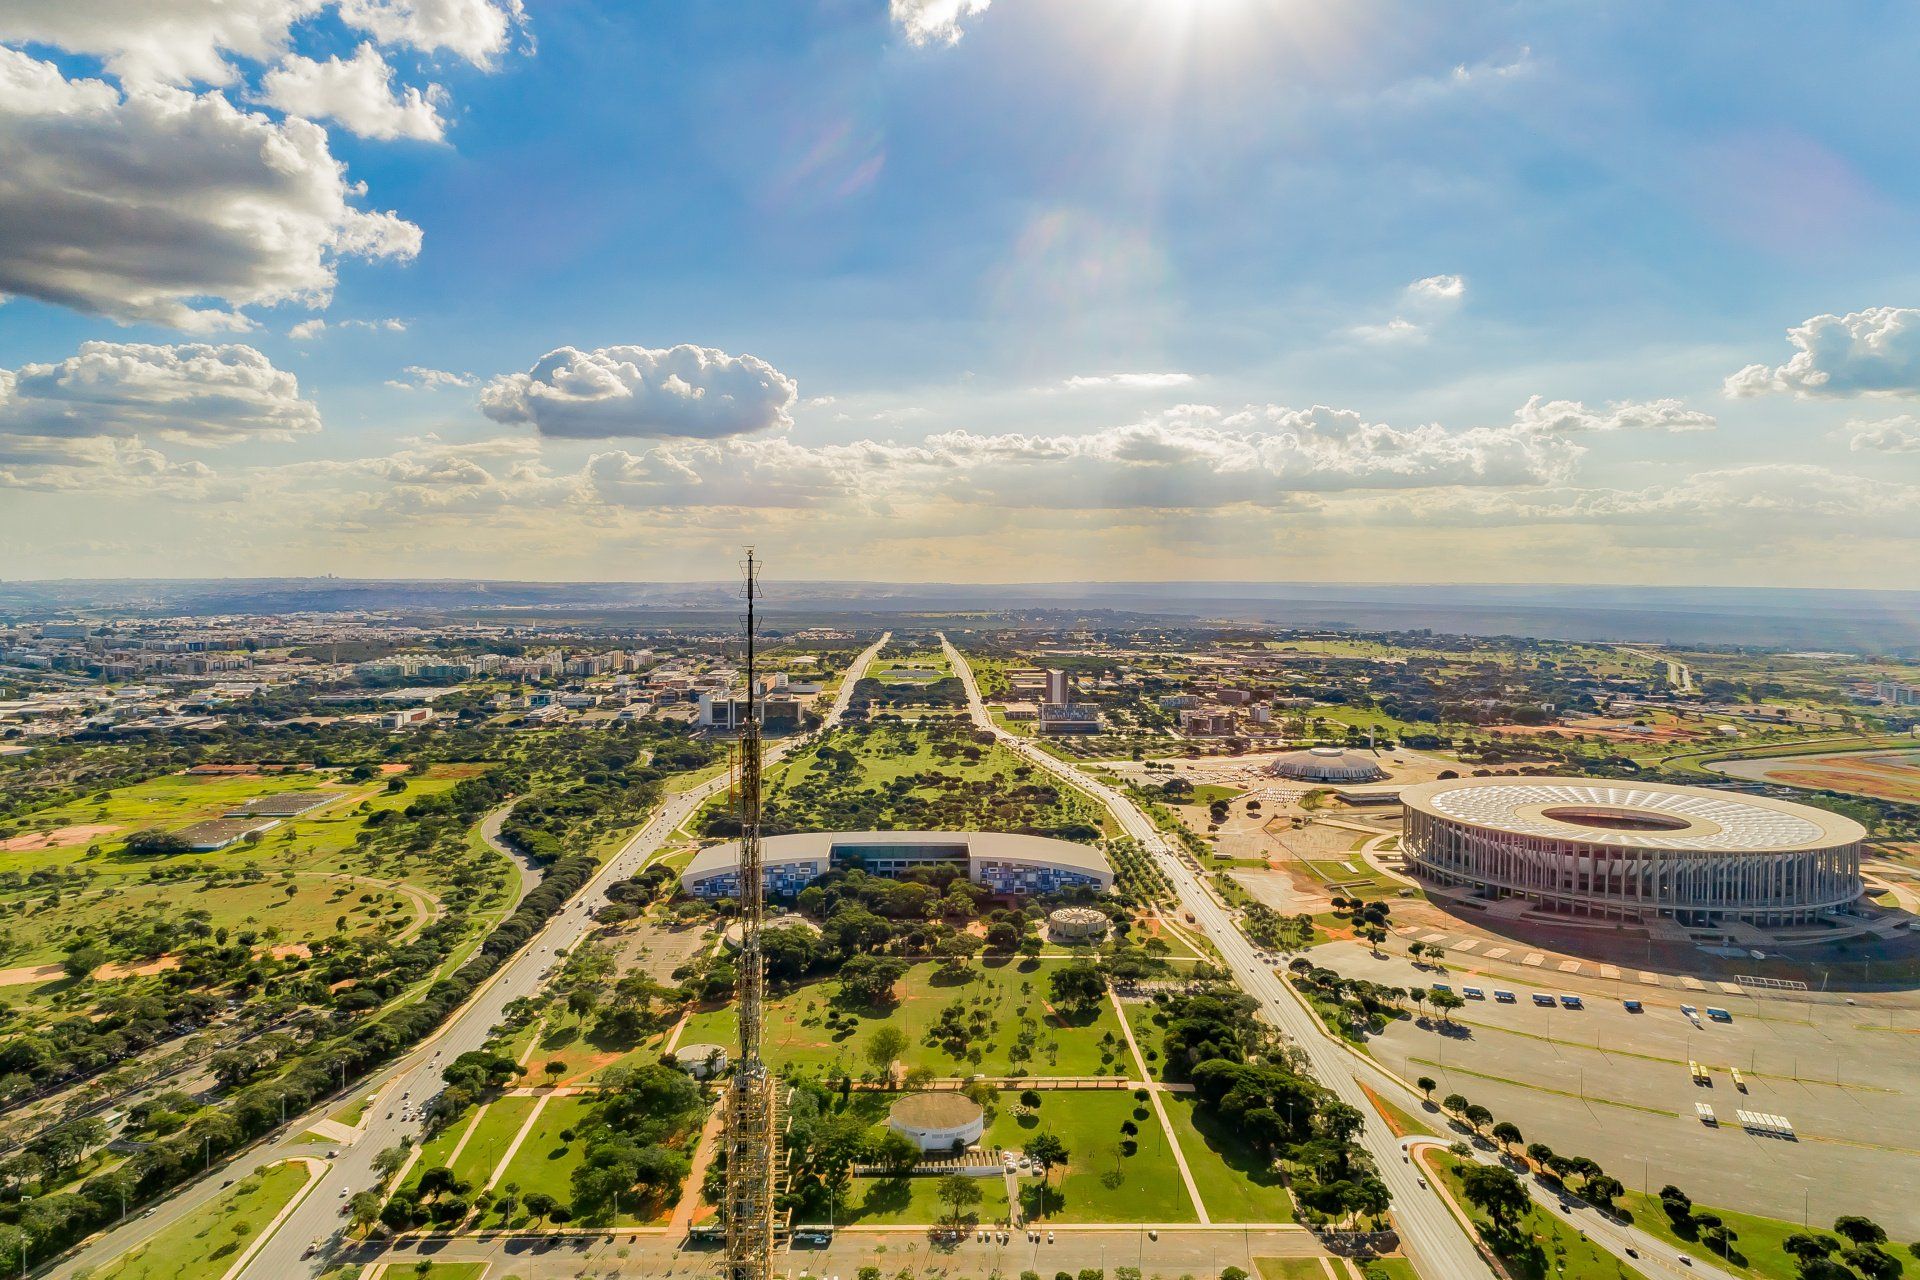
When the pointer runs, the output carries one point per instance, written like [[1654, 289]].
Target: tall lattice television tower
[[750, 1140]]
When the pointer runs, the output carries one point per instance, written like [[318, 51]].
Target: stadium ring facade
[[1635, 851]]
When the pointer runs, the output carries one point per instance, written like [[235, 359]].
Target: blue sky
[[941, 290]]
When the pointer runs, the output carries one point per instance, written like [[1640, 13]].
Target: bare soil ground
[[58, 837]]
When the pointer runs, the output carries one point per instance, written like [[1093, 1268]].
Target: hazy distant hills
[[1872, 621]]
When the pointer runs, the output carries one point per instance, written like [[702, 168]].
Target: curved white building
[[1329, 764], [938, 1121], [999, 861], [1635, 850]]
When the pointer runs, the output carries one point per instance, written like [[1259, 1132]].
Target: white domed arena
[[1632, 851], [1328, 764]]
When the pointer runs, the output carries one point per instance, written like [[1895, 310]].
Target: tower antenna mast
[[750, 1133]]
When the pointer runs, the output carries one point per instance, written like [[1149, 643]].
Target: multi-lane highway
[[303, 1243], [1430, 1235]]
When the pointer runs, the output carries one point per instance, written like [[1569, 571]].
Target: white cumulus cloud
[[1888, 435], [158, 42], [316, 327], [643, 392], [1190, 458], [192, 392], [934, 21], [1871, 352], [1438, 289], [145, 205], [477, 30], [358, 92], [1128, 381], [1570, 417], [420, 378], [1398, 329]]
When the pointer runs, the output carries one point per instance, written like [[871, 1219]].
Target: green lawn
[[1148, 1187], [913, 1202], [350, 1114], [438, 1149], [490, 1137], [437, 1271], [1012, 993], [1290, 1269], [209, 1240], [1551, 1248], [569, 1039], [1234, 1183], [545, 1160], [1388, 1269], [1756, 1247]]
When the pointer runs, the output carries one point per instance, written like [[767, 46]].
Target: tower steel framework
[[750, 1121]]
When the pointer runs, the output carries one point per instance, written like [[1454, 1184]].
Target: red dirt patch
[[59, 837]]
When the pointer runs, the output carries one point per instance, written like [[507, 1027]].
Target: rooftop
[[1638, 815]]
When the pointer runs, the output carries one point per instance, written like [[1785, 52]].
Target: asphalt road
[[1429, 1234], [1176, 1251], [306, 1242]]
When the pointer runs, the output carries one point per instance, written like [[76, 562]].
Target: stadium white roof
[[1638, 815]]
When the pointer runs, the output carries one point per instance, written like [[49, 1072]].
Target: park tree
[[896, 1153], [1497, 1192], [884, 1049], [1077, 985], [1427, 1085], [1046, 1150], [1507, 1134], [959, 1193]]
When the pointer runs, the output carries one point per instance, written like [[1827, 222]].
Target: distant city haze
[[1853, 621]]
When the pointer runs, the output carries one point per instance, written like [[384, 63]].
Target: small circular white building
[[1077, 924], [701, 1061], [938, 1121], [1635, 850], [1329, 764]]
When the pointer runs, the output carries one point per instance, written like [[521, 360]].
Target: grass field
[[912, 1202], [1012, 993], [1290, 1269], [904, 777], [1100, 1183], [1756, 1247], [1233, 1183], [1388, 1269], [41, 931], [490, 1138], [435, 1271], [568, 1038], [547, 1157], [302, 881], [1552, 1247], [209, 1240]]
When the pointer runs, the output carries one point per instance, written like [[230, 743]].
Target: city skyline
[[956, 292]]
